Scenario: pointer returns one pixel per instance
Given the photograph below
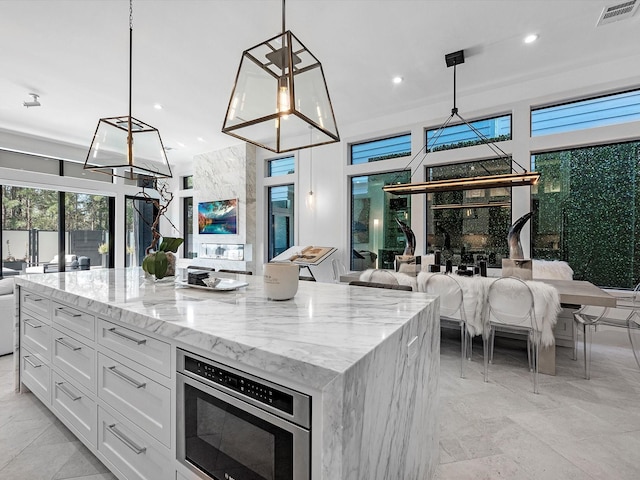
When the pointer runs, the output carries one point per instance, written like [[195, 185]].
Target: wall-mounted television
[[218, 217]]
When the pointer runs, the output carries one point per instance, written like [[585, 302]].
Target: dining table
[[573, 294]]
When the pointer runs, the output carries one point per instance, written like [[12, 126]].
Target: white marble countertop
[[313, 338]]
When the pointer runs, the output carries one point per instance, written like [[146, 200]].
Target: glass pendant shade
[[279, 93], [111, 151]]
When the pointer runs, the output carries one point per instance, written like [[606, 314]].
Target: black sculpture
[[410, 238], [513, 238]]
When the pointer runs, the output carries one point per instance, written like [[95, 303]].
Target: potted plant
[[160, 259], [103, 249]]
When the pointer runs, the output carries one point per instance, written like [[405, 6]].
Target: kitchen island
[[367, 358]]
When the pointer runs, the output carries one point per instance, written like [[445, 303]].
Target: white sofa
[[7, 310]]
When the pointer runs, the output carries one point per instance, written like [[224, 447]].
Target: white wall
[[328, 222]]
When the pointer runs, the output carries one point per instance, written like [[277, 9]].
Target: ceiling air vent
[[618, 12]]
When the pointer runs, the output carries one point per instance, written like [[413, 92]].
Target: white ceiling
[[74, 54]]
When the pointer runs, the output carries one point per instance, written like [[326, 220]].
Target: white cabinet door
[[75, 358], [74, 320], [36, 335], [75, 406], [139, 398], [36, 303], [36, 375], [148, 351], [131, 451]]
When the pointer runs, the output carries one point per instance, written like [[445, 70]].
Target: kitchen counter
[[369, 357]]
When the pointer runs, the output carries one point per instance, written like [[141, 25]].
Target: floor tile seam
[[529, 476]]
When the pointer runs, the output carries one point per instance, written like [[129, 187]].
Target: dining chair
[[512, 308], [588, 318], [338, 269], [451, 309], [379, 276]]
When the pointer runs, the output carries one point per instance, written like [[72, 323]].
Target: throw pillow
[[6, 286]]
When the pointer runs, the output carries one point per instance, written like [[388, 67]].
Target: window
[[496, 129], [187, 182], [281, 166], [87, 221], [587, 212], [30, 227], [593, 112], [280, 234], [384, 149], [139, 215], [470, 225], [375, 236], [187, 227]]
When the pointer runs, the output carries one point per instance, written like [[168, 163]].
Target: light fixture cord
[[130, 135], [283, 17], [310, 160]]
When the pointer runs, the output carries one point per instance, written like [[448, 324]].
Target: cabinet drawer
[[75, 320], [36, 375], [36, 303], [147, 351], [76, 359], [142, 400], [132, 452], [36, 335], [75, 406]]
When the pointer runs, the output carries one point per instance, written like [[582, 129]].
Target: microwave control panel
[[243, 385]]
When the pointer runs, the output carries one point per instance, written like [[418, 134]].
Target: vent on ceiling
[[618, 12]]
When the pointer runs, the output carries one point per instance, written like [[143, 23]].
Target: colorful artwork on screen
[[218, 217]]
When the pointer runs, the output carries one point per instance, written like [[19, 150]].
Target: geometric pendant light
[[125, 146], [512, 179], [279, 93]]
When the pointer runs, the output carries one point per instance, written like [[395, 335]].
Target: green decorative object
[[162, 263]]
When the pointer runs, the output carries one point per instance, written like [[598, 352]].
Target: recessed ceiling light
[[157, 106], [531, 38], [180, 144], [397, 80], [200, 139]]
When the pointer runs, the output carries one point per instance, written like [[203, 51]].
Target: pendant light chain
[[129, 126]]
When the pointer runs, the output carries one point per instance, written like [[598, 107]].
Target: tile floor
[[574, 429]]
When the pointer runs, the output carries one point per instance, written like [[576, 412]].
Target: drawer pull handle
[[126, 377], [62, 341], [32, 325], [74, 315], [67, 392], [127, 337], [30, 362], [36, 299], [124, 439]]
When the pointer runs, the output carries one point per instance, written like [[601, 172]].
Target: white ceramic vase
[[281, 280]]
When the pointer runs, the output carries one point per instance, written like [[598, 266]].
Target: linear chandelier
[[279, 92], [513, 179], [125, 146]]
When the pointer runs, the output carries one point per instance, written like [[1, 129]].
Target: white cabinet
[[77, 359], [35, 302], [74, 320], [36, 335], [143, 349], [130, 450], [139, 398], [108, 383], [35, 373], [76, 406]]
